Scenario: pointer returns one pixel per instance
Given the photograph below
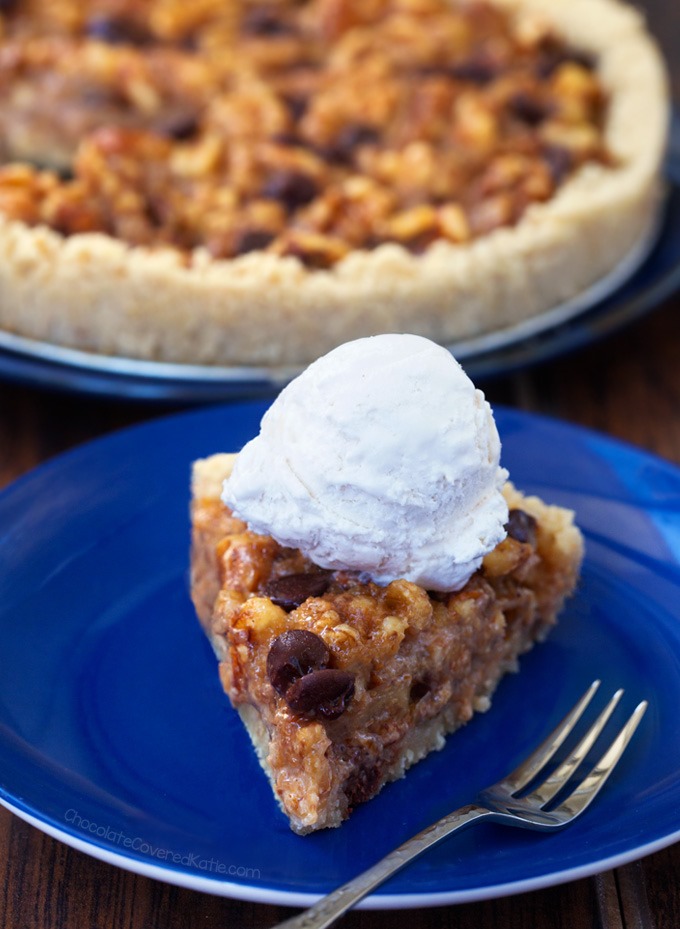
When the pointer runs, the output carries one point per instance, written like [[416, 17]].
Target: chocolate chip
[[96, 95], [254, 240], [549, 63], [418, 244], [584, 59], [559, 160], [293, 654], [476, 70], [291, 590], [292, 188], [418, 690], [189, 43], [528, 109], [350, 138], [156, 211], [521, 526], [297, 106], [8, 6], [266, 22], [289, 139], [117, 30], [553, 58], [325, 694], [180, 125]]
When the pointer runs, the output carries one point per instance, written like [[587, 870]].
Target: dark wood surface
[[627, 386]]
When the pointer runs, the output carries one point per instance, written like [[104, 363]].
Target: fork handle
[[329, 908]]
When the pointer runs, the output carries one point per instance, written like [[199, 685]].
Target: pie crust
[[411, 667], [92, 292]]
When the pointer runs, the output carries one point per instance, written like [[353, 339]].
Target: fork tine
[[559, 777], [529, 768], [591, 785]]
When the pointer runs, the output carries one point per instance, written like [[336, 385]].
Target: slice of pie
[[343, 684]]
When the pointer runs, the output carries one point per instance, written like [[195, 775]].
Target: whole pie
[[342, 683], [255, 182]]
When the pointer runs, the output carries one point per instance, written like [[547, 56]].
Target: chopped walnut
[[302, 129]]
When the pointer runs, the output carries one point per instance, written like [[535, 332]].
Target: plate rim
[[376, 901]]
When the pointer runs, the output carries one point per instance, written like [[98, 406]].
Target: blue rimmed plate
[[116, 738]]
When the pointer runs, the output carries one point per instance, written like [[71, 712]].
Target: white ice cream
[[382, 457]]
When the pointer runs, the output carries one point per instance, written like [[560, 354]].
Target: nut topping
[[301, 129]]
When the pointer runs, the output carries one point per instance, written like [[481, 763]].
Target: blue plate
[[116, 738]]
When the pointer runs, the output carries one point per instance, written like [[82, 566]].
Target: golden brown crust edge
[[96, 294]]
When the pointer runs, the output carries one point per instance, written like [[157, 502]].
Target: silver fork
[[504, 802]]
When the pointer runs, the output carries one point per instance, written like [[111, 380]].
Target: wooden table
[[627, 386]]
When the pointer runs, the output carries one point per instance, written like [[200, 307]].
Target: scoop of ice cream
[[381, 457]]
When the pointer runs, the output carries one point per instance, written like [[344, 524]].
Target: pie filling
[[343, 684], [309, 129]]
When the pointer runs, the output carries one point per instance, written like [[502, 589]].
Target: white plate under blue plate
[[116, 738]]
